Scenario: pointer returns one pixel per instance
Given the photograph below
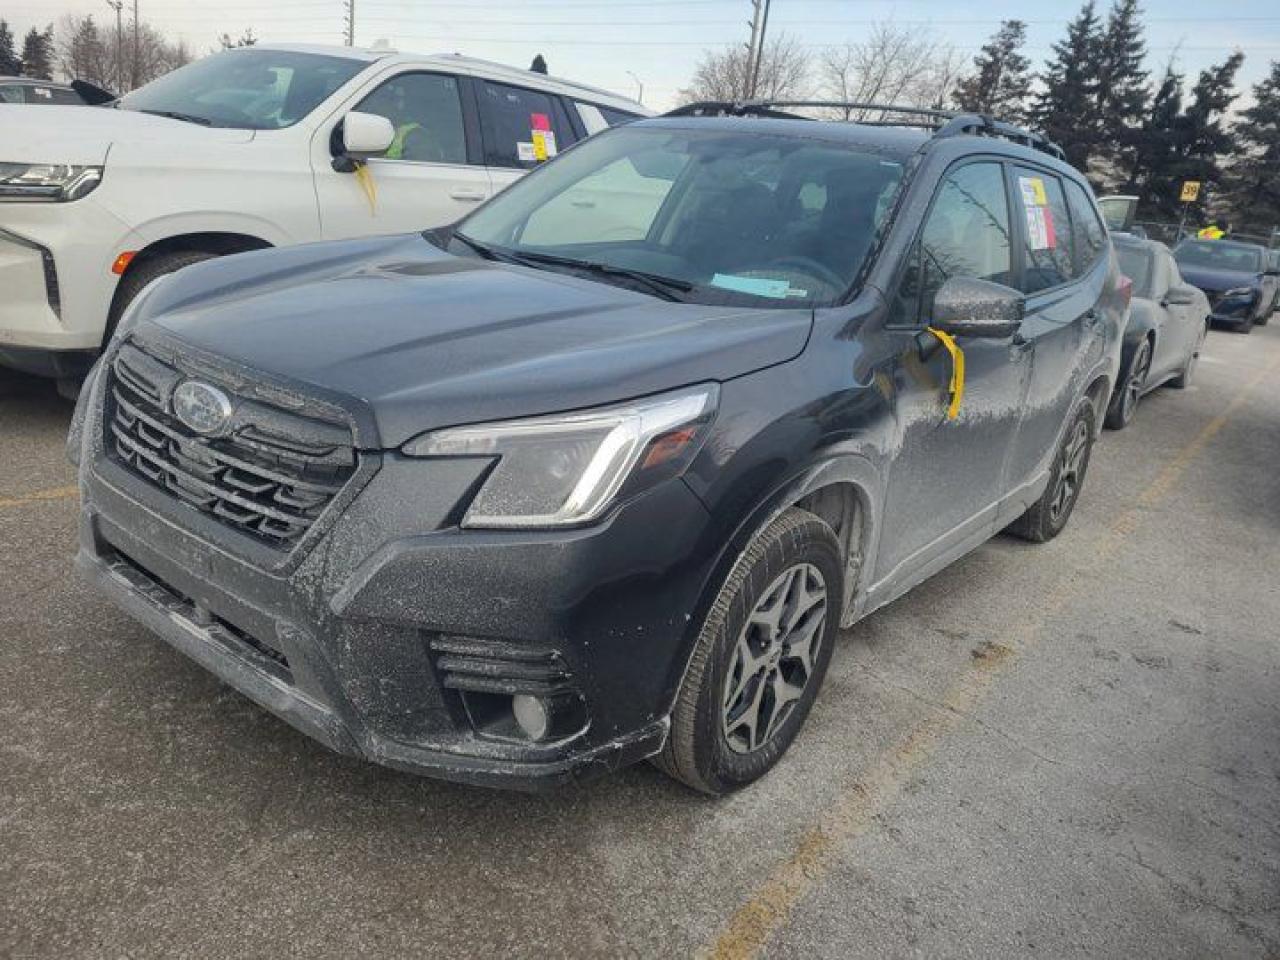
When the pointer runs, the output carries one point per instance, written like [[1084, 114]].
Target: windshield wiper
[[668, 288], [185, 117]]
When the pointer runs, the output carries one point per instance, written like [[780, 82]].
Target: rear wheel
[[1049, 515], [1125, 401], [760, 657]]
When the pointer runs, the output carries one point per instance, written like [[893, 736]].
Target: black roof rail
[[943, 123], [980, 125]]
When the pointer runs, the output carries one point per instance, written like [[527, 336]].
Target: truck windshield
[[714, 215], [246, 88]]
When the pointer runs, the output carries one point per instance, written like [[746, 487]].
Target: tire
[[740, 664], [1183, 379], [150, 269], [1048, 516], [1245, 326], [1124, 402]]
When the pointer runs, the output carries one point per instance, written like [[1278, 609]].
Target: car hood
[[1215, 281], [409, 338], [83, 135]]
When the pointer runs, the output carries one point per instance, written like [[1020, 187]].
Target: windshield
[[728, 216], [248, 89], [1135, 263], [1220, 256]]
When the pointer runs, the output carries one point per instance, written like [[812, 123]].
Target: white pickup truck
[[250, 148]]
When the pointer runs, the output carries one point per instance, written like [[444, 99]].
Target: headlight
[[567, 469], [1239, 292], [52, 182]]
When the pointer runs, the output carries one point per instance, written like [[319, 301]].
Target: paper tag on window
[[544, 144], [525, 153], [1040, 232], [1033, 194]]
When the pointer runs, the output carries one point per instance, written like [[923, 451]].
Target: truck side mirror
[[359, 137]]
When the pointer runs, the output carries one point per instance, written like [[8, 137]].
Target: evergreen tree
[[1000, 82], [1255, 174], [1178, 144], [37, 54], [1065, 109], [1122, 95], [10, 65]]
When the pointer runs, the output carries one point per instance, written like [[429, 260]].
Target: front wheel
[[760, 657], [1049, 515]]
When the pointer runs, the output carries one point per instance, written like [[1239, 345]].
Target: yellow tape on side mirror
[[956, 387]]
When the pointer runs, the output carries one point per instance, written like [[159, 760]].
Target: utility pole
[[118, 7], [755, 49], [134, 78], [351, 23]]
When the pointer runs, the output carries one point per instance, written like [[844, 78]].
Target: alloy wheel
[[773, 659], [1070, 471], [1137, 379]]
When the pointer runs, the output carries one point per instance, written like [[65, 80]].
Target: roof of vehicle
[[1237, 244], [458, 61], [895, 141], [1133, 240]]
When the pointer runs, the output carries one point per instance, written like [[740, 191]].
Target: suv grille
[[270, 474]]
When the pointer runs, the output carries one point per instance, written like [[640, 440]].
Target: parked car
[[247, 149], [1166, 330], [575, 483], [1240, 279], [39, 92]]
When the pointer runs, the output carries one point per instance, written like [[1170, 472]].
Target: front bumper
[[55, 271], [342, 641], [1233, 309]]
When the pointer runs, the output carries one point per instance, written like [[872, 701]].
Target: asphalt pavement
[[1065, 750]]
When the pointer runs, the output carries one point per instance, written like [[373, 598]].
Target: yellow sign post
[[1190, 191]]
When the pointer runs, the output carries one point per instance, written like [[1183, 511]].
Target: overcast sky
[[603, 42]]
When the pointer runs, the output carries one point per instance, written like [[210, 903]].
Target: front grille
[[178, 604], [476, 665], [269, 474]]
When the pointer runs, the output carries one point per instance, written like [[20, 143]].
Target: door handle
[[462, 193]]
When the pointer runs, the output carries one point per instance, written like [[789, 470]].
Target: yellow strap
[[364, 177], [956, 387]]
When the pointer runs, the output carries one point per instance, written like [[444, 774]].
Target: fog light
[[533, 714]]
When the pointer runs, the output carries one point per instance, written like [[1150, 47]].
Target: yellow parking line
[[38, 496], [769, 908]]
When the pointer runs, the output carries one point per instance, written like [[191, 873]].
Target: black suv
[[597, 473]]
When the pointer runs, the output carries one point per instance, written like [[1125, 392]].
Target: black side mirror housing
[[968, 307]]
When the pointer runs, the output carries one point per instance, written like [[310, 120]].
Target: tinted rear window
[[1135, 263], [514, 123], [1046, 230]]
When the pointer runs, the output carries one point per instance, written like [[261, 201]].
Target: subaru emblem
[[203, 408]]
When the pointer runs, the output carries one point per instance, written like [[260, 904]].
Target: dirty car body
[[360, 543]]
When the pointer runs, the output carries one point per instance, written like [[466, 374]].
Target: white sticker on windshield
[[524, 150]]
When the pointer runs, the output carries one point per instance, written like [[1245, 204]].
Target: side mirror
[[968, 307], [364, 135], [1180, 296]]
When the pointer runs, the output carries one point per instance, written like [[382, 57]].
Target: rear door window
[[12, 94], [520, 127], [425, 109], [1047, 257], [1087, 231]]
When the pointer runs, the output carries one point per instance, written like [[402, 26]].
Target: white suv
[[250, 148]]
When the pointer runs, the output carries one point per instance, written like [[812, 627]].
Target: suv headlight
[[567, 469], [51, 182]]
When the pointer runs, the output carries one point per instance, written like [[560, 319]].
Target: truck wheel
[[150, 269], [760, 657], [1049, 515]]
